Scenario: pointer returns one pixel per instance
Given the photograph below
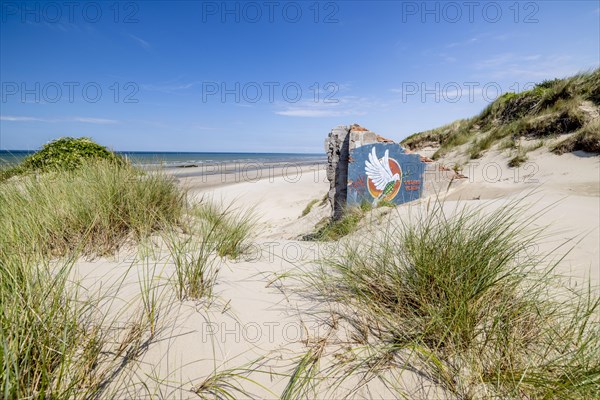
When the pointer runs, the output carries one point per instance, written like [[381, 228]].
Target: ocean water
[[183, 159]]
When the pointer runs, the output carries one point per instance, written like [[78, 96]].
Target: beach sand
[[256, 318]]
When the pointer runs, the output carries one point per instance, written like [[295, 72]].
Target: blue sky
[[272, 76]]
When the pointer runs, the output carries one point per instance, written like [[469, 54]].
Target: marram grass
[[92, 209], [459, 299], [213, 232], [55, 342]]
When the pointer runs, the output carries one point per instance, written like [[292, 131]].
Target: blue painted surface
[[408, 188]]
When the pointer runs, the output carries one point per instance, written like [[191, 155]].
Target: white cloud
[[87, 120], [145, 45], [202, 128], [463, 43], [169, 87], [528, 66], [12, 118], [100, 121], [335, 107]]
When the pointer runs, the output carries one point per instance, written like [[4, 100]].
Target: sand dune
[[256, 321]]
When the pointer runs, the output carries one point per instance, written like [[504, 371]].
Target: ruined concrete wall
[[340, 142], [337, 149], [353, 151]]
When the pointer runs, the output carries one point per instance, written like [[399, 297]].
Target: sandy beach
[[258, 321], [327, 200]]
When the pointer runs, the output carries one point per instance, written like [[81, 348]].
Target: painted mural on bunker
[[383, 172]]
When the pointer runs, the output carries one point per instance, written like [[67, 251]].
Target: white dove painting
[[384, 174]]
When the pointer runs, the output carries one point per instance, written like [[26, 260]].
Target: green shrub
[[7, 172], [68, 154]]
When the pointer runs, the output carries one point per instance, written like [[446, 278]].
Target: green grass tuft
[[93, 209], [334, 230], [211, 232], [458, 299], [517, 160], [309, 207], [229, 229], [55, 342], [586, 139]]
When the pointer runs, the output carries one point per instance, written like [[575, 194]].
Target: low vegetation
[[309, 207], [62, 154], [73, 199], [460, 300], [213, 232], [91, 209], [228, 228], [55, 342], [329, 230], [517, 160], [587, 139], [550, 109]]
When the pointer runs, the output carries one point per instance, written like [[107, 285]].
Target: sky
[[272, 76]]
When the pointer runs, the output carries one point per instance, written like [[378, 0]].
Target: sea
[[190, 159]]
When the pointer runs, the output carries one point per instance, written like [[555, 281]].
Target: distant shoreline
[[214, 175], [188, 159]]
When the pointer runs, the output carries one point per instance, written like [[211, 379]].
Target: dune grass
[[228, 227], [49, 343], [330, 230], [212, 231], [230, 383], [196, 265], [309, 207], [553, 107], [586, 139], [54, 340], [92, 209], [458, 299]]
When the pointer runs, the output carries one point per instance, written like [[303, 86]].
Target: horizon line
[[177, 152]]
